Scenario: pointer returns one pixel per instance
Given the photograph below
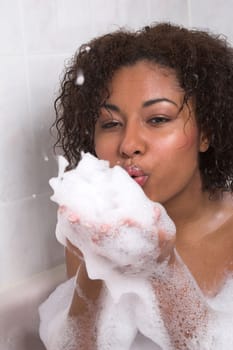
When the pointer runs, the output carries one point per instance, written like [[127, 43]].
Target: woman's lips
[[137, 174], [141, 180]]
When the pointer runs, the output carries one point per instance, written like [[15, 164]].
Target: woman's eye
[[158, 120], [110, 124]]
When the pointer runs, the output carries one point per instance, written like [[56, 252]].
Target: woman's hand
[[125, 246]]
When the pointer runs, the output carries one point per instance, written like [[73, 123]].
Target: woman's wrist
[[86, 287], [86, 293]]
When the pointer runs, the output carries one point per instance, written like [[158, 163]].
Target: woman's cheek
[[105, 151], [186, 140]]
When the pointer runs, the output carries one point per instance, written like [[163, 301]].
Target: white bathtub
[[19, 319]]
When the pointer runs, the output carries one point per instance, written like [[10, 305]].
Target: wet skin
[[143, 124]]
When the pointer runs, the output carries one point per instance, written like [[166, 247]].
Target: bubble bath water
[[107, 216]]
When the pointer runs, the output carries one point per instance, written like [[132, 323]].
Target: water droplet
[[86, 49], [80, 78]]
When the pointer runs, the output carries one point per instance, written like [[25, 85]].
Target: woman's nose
[[132, 142]]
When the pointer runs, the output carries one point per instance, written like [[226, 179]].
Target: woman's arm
[[84, 305], [89, 289], [183, 307], [72, 261]]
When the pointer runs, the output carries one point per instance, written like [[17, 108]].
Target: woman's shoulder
[[222, 241], [223, 234], [226, 212], [221, 212]]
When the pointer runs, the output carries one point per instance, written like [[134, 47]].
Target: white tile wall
[[44, 71], [36, 36], [175, 11], [56, 26], [121, 13], [215, 15], [28, 237], [16, 132], [10, 28]]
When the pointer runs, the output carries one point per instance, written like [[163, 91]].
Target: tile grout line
[[189, 13], [20, 6]]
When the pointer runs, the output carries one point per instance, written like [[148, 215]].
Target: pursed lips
[[137, 174]]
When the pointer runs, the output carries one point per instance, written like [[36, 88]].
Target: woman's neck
[[188, 207]]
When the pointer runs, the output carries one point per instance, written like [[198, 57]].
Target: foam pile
[[106, 214]]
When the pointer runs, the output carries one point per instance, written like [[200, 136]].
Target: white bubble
[[119, 244], [80, 78], [34, 195], [46, 158], [117, 232]]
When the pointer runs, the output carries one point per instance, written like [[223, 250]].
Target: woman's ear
[[204, 143]]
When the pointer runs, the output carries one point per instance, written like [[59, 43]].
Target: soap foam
[[106, 214], [116, 222]]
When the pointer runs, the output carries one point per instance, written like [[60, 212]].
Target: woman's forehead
[[145, 78]]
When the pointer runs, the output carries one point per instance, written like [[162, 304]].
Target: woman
[[160, 100]]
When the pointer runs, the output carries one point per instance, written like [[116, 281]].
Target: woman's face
[[142, 129]]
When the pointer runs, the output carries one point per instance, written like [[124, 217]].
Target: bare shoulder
[[228, 200], [226, 230], [228, 213], [224, 213]]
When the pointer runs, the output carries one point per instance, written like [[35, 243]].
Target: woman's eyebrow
[[148, 103], [157, 100], [111, 107]]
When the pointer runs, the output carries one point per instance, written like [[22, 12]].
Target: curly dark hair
[[203, 63]]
